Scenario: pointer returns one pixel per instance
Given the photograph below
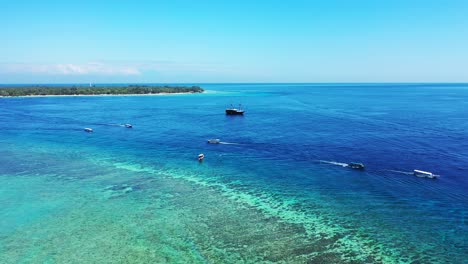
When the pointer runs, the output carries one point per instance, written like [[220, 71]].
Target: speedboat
[[356, 165], [128, 125], [89, 130], [425, 174], [214, 141]]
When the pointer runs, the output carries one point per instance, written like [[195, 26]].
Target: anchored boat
[[201, 157], [89, 130], [234, 111]]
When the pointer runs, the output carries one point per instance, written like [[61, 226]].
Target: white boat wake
[[402, 172], [334, 163], [217, 141], [229, 143], [418, 173]]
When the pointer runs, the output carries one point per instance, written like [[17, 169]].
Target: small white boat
[[89, 130], [425, 174], [201, 157], [214, 141], [128, 125]]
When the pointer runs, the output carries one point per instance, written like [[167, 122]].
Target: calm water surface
[[278, 192]]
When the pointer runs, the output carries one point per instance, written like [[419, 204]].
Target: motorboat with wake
[[214, 141], [356, 165], [425, 174]]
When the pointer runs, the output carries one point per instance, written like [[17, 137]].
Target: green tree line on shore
[[94, 90]]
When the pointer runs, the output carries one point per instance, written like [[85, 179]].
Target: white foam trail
[[228, 143], [334, 163], [402, 172]]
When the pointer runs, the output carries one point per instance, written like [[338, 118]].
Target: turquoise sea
[[277, 192]]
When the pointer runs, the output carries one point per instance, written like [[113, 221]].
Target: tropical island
[[44, 90]]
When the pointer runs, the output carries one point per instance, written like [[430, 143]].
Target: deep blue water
[[283, 167]]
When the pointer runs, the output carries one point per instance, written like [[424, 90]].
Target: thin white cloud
[[91, 68], [117, 70]]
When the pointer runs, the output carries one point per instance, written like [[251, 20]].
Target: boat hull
[[234, 112]]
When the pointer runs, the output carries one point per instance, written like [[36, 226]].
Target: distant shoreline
[[86, 95], [127, 90]]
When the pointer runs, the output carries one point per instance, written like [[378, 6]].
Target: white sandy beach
[[86, 95]]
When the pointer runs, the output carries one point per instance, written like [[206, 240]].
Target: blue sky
[[233, 41]]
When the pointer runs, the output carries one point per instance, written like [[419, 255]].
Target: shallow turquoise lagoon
[[276, 193]]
